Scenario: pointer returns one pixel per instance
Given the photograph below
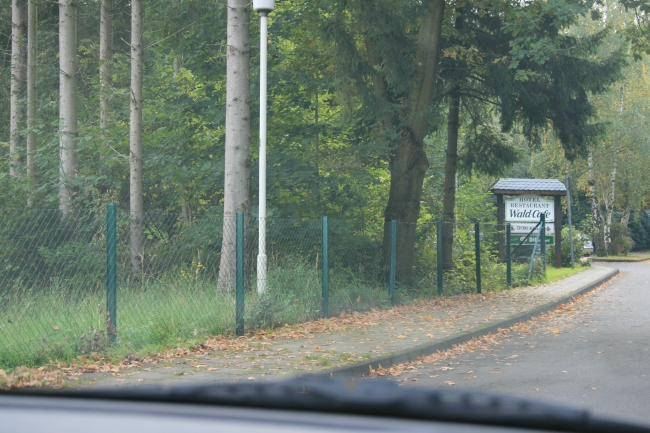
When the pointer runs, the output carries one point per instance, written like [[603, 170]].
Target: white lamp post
[[262, 7]]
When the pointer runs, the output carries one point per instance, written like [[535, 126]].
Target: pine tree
[[18, 75], [237, 164], [68, 101], [136, 200]]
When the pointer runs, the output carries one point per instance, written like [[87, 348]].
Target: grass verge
[[554, 274], [63, 321], [630, 258]]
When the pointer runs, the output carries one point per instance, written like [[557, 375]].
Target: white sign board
[[528, 208], [524, 228]]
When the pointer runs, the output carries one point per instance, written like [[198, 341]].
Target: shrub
[[639, 229], [579, 238], [621, 242]]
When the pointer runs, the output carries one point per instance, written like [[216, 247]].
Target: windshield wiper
[[375, 398]]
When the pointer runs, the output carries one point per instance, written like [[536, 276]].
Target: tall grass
[[66, 319], [60, 322]]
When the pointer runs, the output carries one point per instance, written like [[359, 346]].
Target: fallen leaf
[[212, 369], [449, 382], [57, 327], [555, 331], [401, 337], [251, 378]]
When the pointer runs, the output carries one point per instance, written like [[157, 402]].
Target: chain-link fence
[[95, 281]]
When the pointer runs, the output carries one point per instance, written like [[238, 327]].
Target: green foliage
[[639, 33], [621, 241], [579, 240], [487, 152], [292, 296], [639, 229]]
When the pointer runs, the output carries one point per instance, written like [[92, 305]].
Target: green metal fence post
[[393, 260], [508, 257], [542, 228], [239, 296], [326, 270], [439, 254], [111, 269], [477, 248]]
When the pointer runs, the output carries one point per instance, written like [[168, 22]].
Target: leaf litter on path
[[538, 324]]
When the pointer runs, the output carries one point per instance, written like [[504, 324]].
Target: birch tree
[[610, 195], [135, 138], [593, 200], [237, 163], [68, 122], [18, 74], [32, 107]]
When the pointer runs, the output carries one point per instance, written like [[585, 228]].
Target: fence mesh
[[176, 278]]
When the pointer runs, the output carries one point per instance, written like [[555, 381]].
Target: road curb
[[362, 368], [621, 260]]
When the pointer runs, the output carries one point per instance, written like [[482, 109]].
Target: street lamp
[[263, 8]]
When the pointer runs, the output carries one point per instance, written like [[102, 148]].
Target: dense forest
[[378, 110]]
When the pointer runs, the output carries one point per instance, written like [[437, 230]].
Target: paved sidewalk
[[350, 344]]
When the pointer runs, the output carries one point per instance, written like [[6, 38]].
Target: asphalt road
[[596, 355]]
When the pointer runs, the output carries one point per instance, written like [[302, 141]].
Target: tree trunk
[[609, 203], [409, 164], [609, 198], [449, 201], [105, 59], [451, 169], [237, 163], [187, 212], [176, 66], [32, 107], [595, 211], [408, 161], [135, 139], [18, 75], [68, 102], [625, 219]]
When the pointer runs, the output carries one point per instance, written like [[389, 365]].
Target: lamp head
[[263, 6]]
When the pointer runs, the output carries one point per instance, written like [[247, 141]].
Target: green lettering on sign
[[517, 238]]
